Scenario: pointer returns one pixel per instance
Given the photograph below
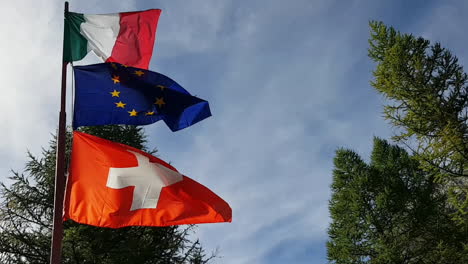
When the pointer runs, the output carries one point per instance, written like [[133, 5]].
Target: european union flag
[[112, 93]]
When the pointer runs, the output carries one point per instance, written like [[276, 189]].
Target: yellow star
[[116, 79], [114, 66], [124, 65], [162, 87], [149, 113], [133, 112], [115, 93], [139, 73], [160, 102], [120, 104]]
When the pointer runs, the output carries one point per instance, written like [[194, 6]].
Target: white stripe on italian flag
[[126, 38]]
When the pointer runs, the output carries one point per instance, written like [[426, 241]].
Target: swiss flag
[[115, 185]]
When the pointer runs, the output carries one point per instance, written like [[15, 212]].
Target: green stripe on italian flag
[[127, 38]]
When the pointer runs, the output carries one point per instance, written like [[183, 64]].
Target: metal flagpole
[[57, 229]]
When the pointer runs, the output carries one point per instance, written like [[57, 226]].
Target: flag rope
[[72, 107]]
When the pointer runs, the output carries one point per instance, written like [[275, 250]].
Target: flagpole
[[57, 229]]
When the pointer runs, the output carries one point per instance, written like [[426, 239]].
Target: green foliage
[[428, 103], [125, 134], [390, 211], [26, 220]]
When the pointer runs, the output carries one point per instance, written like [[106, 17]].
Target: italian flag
[[127, 38]]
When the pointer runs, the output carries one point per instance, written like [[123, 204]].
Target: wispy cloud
[[284, 98], [30, 76]]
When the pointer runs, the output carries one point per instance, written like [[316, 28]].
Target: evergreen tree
[[428, 104], [390, 211], [26, 220]]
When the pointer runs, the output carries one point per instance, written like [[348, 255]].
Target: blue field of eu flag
[[112, 93]]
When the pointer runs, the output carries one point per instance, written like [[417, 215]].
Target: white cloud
[[31, 71], [192, 26], [31, 74]]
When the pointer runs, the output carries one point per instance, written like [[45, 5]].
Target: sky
[[287, 83]]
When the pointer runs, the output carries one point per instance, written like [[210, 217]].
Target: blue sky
[[287, 82]]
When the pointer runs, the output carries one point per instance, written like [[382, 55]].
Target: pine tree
[[26, 220], [428, 104], [390, 211]]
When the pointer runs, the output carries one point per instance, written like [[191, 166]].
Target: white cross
[[148, 178]]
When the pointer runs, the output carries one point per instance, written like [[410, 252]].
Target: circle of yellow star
[[133, 112], [115, 93], [120, 104], [149, 113], [116, 79], [160, 102], [139, 73]]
